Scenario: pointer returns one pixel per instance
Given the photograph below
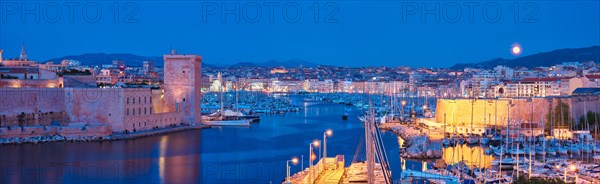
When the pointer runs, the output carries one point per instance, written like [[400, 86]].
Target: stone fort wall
[[112, 107], [484, 112]]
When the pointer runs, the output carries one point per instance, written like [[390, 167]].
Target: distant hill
[[540, 59], [135, 60], [275, 63], [102, 58]]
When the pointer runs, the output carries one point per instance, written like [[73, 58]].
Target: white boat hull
[[242, 122]]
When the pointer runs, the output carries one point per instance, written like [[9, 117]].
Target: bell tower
[[182, 82]]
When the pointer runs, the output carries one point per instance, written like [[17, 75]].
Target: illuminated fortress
[[474, 115], [86, 111]]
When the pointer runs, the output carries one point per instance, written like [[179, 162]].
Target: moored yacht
[[221, 119]]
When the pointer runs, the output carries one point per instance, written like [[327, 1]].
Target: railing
[[318, 169]]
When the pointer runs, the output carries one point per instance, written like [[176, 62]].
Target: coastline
[[92, 138]]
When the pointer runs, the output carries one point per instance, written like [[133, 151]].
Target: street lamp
[[310, 158], [287, 167], [403, 103], [573, 168], [328, 132]]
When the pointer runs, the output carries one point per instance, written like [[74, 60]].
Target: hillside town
[[67, 101], [499, 82]]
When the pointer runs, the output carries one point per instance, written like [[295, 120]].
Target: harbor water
[[255, 154]]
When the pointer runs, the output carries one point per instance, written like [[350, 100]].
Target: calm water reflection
[[255, 154], [472, 156]]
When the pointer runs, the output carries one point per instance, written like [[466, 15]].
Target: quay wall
[[73, 131], [485, 112]]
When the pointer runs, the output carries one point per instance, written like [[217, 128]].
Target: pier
[[327, 170]]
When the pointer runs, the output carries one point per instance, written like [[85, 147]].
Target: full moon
[[516, 50]]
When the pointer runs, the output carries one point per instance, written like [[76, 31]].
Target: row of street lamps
[[315, 143]]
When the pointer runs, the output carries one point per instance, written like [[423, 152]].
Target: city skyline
[[299, 92], [356, 34]]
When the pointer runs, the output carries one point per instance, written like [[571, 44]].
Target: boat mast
[[472, 109], [220, 78], [507, 135], [518, 132], [544, 136], [237, 108], [531, 136]]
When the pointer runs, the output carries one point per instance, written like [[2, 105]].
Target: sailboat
[[471, 138], [485, 140], [551, 151], [225, 118], [562, 150], [508, 162]]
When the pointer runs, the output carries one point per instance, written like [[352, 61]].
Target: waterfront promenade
[[331, 172], [144, 133], [83, 133]]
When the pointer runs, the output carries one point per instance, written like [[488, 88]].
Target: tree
[[559, 116], [21, 119], [592, 120]]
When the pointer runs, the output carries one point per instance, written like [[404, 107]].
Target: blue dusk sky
[[343, 33]]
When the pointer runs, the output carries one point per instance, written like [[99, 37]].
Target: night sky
[[344, 33]]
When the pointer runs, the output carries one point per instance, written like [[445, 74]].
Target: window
[[139, 124], [144, 123], [145, 100], [140, 111], [127, 100], [133, 100], [150, 110], [183, 99], [150, 99], [140, 99], [144, 110], [133, 125], [133, 112], [127, 112]]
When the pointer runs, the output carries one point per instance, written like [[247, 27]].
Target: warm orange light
[[316, 143], [329, 132], [313, 156], [294, 160], [403, 103], [573, 167]]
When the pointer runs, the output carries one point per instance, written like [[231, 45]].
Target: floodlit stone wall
[[38, 83], [95, 106], [182, 83], [120, 108], [14, 101], [483, 112]]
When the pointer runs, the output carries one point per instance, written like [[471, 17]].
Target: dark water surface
[[255, 154]]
